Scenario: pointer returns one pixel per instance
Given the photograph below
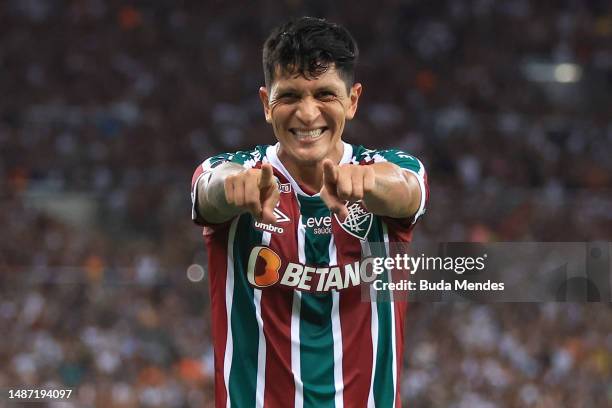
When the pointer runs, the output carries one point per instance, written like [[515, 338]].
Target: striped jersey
[[289, 326]]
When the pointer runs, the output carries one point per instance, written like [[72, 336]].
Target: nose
[[307, 111]]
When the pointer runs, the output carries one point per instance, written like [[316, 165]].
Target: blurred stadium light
[[563, 73]]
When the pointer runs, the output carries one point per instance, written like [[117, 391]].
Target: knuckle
[[251, 201], [344, 194], [253, 209]]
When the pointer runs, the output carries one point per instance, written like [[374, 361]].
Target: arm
[[230, 189], [211, 202], [385, 188], [396, 192]]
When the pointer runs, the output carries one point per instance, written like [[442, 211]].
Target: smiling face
[[308, 115]]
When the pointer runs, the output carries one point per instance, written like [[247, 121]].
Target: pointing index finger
[[267, 177], [330, 173]]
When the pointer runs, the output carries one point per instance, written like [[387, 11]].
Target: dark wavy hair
[[308, 46]]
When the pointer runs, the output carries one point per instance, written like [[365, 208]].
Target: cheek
[[337, 113], [279, 115]]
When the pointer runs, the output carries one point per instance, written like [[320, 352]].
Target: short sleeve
[[407, 162], [203, 173]]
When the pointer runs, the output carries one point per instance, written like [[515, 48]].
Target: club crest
[[358, 222]]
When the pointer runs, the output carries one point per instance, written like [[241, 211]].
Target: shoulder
[[247, 158], [404, 160], [364, 156]]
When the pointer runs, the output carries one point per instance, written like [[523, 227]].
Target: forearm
[[396, 192], [212, 204]]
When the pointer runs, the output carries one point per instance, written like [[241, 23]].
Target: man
[[285, 226]]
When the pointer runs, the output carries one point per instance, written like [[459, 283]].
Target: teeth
[[304, 134]]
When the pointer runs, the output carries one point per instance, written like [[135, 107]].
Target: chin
[[308, 154], [308, 159], [311, 155]]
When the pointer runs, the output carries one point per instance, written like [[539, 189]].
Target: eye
[[326, 96], [287, 97]]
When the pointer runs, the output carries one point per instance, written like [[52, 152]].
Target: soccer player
[[285, 227]]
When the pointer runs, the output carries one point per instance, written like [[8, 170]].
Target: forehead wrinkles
[[302, 86], [301, 90], [292, 79]]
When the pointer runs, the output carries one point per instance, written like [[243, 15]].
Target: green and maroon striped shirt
[[290, 328]]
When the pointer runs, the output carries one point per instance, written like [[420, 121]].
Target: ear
[[354, 100], [263, 95]]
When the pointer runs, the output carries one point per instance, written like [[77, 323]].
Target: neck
[[310, 174]]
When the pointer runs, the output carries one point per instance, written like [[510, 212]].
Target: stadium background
[[107, 106]]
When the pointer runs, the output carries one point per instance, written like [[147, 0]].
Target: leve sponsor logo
[[320, 225], [319, 222], [270, 270]]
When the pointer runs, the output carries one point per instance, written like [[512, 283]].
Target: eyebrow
[[281, 91], [329, 88]]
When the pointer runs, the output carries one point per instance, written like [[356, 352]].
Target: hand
[[254, 191], [348, 182]]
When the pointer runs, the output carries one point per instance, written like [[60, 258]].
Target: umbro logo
[[269, 227], [280, 218]]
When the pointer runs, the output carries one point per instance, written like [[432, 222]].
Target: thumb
[[267, 178], [268, 205], [342, 212], [332, 202]]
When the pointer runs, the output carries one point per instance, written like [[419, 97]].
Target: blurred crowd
[[108, 106]]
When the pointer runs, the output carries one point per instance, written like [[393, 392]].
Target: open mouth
[[308, 134]]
